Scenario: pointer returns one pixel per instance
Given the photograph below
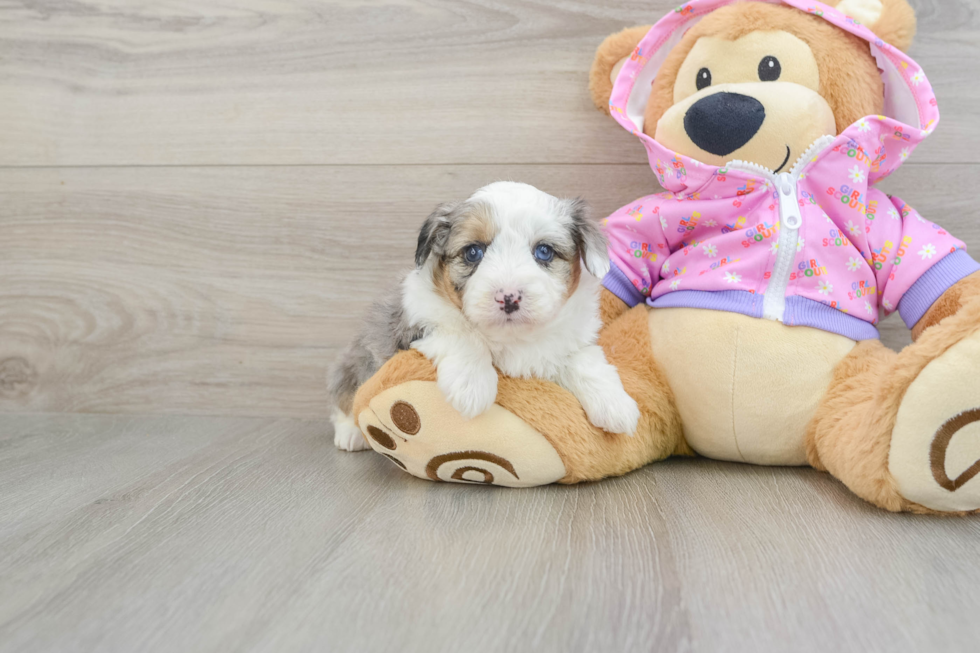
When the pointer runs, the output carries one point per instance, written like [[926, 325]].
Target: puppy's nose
[[723, 122], [509, 300]]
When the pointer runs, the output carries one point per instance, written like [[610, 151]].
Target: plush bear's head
[[760, 82]]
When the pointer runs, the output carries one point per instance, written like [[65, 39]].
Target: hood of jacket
[[910, 113]]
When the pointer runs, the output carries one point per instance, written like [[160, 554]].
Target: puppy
[[508, 278]]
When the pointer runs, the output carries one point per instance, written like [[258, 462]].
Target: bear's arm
[[915, 261], [638, 248]]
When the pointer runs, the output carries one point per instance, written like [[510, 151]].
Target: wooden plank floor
[[167, 533], [198, 200], [94, 82]]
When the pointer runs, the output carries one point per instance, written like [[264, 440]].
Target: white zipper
[[790, 222]]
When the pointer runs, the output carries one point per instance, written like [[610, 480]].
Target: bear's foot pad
[[413, 426], [935, 450]]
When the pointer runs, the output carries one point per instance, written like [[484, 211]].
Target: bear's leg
[[535, 433], [903, 430]]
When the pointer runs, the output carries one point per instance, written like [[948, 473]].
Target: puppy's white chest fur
[[545, 351]]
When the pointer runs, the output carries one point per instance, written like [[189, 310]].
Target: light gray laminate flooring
[[163, 533], [197, 202]]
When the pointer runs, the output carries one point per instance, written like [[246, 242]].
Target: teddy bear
[[742, 304]]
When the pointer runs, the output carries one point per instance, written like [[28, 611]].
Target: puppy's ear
[[609, 58], [891, 20], [589, 239], [434, 234]]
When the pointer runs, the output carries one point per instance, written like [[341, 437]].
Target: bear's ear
[[891, 20], [609, 58]]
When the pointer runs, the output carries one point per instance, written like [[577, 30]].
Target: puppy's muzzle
[[509, 300], [723, 122]]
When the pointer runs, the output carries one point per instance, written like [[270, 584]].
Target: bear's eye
[[704, 79], [769, 69]]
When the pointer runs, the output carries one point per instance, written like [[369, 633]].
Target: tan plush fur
[[851, 435], [845, 439], [849, 75], [848, 71], [610, 307], [406, 366], [614, 49], [588, 453], [849, 78], [896, 24]]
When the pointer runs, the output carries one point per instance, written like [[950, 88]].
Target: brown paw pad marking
[[937, 453], [487, 475], [381, 437], [405, 417], [432, 469]]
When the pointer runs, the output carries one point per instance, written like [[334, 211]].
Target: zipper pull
[[789, 208]]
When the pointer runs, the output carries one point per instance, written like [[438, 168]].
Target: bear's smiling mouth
[[785, 161]]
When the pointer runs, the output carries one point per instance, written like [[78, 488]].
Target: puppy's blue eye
[[544, 253], [473, 253]]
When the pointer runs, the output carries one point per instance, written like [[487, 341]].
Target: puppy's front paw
[[346, 435], [614, 411], [470, 389]]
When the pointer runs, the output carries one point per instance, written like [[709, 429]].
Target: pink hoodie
[[816, 246]]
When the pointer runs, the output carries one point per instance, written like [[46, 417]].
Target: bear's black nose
[[723, 122]]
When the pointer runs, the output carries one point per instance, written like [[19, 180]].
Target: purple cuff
[[931, 285], [619, 284]]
